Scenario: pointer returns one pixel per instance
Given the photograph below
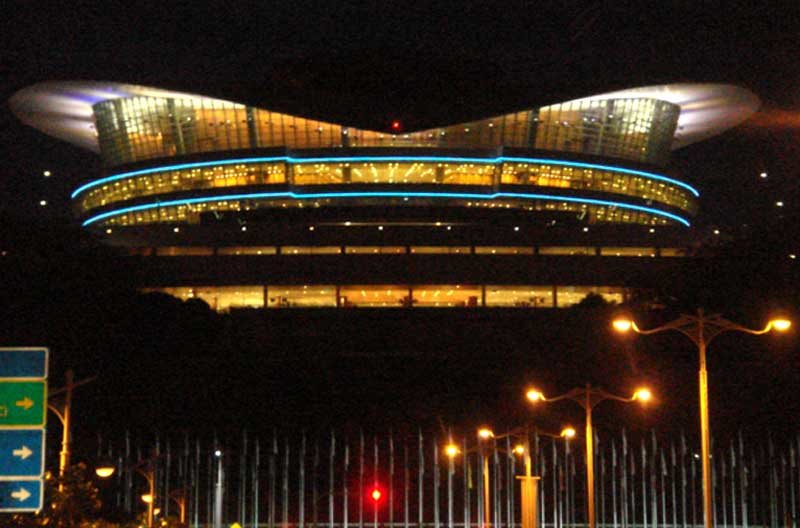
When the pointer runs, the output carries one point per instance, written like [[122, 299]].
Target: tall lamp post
[[588, 397], [701, 329], [64, 414]]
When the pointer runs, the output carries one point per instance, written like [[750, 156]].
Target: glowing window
[[446, 296], [374, 250], [375, 296], [572, 295], [628, 251], [310, 250], [306, 296], [567, 250], [434, 250], [180, 251], [247, 250], [503, 250], [520, 296]]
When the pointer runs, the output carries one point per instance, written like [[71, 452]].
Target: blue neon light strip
[[370, 159], [473, 196]]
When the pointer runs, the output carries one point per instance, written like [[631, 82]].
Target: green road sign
[[23, 403]]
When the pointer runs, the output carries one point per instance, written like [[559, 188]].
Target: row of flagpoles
[[408, 481]]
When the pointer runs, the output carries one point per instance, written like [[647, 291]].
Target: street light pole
[[589, 457], [528, 482], [150, 476], [64, 414], [219, 488], [588, 398], [701, 330], [485, 434]]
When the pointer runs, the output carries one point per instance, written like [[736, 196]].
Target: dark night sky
[[367, 63]]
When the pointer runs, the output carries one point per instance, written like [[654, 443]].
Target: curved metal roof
[[63, 109]]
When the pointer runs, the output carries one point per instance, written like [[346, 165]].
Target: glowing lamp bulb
[[642, 395], [104, 471], [622, 325], [568, 432], [147, 498], [396, 125], [451, 450], [534, 395], [375, 494], [485, 433], [781, 325], [519, 449]]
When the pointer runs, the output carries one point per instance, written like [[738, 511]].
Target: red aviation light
[[376, 494], [396, 126]]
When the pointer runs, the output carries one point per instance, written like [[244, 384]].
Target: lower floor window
[[225, 298]]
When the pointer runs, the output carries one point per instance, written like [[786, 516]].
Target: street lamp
[[147, 469], [485, 434], [528, 482], [64, 414], [587, 397], [701, 329]]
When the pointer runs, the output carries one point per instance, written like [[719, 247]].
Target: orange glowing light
[[642, 395], [451, 450], [622, 325], [781, 325], [534, 395]]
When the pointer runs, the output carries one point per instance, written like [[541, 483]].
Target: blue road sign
[[22, 362], [21, 452], [20, 495]]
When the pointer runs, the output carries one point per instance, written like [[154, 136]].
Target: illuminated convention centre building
[[248, 207]]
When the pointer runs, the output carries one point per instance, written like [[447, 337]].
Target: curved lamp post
[[588, 397], [701, 329], [147, 469], [64, 414]]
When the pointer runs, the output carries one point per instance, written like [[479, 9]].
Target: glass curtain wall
[[139, 128]]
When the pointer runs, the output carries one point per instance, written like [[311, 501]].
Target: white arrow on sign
[[23, 453], [21, 495], [26, 403]]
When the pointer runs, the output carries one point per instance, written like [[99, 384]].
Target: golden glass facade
[[305, 296], [634, 129], [567, 296], [140, 128], [225, 298], [394, 173], [180, 180], [219, 298], [605, 181], [372, 296], [520, 296]]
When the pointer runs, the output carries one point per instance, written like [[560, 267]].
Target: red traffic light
[[375, 494]]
